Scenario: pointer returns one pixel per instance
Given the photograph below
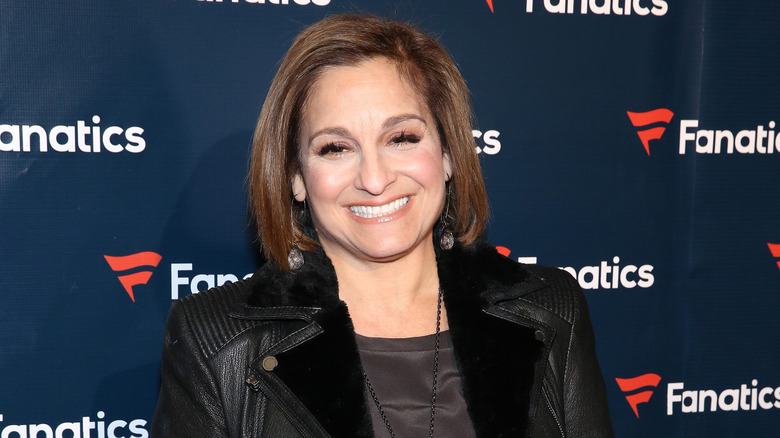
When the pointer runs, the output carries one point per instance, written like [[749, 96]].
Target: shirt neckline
[[416, 343]]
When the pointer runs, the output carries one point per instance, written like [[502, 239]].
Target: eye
[[331, 149], [405, 137]]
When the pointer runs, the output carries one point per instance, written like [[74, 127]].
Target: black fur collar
[[474, 270], [497, 358]]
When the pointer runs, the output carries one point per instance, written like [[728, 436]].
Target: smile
[[375, 211]]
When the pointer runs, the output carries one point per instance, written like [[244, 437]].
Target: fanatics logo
[[636, 7], [133, 261], [490, 3], [651, 125], [644, 121], [81, 137], [632, 384], [103, 427], [602, 275], [774, 248]]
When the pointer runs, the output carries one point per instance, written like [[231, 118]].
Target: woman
[[379, 312]]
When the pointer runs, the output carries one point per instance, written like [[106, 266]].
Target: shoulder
[[561, 293], [217, 299], [206, 318], [502, 278]]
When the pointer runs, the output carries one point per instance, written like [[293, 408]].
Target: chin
[[388, 251]]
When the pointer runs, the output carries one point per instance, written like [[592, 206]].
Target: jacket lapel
[[500, 353], [317, 377]]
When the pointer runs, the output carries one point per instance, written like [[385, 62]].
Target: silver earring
[[295, 257], [447, 240]]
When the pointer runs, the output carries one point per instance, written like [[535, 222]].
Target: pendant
[[447, 240], [295, 258]]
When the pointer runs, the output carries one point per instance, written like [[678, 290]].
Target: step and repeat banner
[[633, 143]]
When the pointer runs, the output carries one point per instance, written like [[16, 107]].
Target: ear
[[447, 164], [298, 187]]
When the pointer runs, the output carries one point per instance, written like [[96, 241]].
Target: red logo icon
[[490, 3], [644, 120], [504, 251], [774, 248], [133, 261], [634, 383]]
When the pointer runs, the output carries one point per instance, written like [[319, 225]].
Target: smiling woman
[[424, 68], [381, 312], [375, 165]]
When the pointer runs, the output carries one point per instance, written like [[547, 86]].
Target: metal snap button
[[539, 335], [269, 363]]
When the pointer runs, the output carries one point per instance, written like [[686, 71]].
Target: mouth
[[376, 211]]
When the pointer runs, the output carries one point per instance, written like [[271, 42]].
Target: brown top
[[401, 373]]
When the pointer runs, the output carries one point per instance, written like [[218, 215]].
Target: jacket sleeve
[[189, 403], [586, 411]]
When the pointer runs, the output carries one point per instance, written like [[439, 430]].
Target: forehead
[[375, 83]]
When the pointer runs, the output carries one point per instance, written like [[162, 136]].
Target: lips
[[376, 211]]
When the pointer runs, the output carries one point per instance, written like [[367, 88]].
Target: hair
[[348, 40]]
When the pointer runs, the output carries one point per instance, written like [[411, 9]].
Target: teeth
[[370, 212]]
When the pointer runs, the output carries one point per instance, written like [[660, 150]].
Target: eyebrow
[[341, 132], [390, 122]]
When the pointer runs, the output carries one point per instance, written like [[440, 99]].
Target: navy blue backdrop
[[633, 143]]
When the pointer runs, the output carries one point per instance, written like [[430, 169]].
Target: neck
[[395, 299]]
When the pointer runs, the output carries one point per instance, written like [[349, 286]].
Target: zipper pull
[[253, 381]]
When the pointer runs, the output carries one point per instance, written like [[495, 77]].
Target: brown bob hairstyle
[[348, 40]]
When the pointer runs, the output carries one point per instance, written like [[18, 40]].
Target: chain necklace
[[435, 373]]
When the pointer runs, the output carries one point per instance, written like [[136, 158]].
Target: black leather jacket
[[275, 355]]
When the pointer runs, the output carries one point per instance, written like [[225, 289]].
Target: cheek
[[324, 182], [427, 167]]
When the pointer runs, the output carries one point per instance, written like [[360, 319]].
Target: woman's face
[[372, 168]]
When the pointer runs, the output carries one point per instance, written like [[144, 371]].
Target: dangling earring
[[447, 240], [295, 257]]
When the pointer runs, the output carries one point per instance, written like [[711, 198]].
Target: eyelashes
[[404, 137], [331, 148], [400, 139]]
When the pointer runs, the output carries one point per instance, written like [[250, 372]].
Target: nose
[[375, 173]]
